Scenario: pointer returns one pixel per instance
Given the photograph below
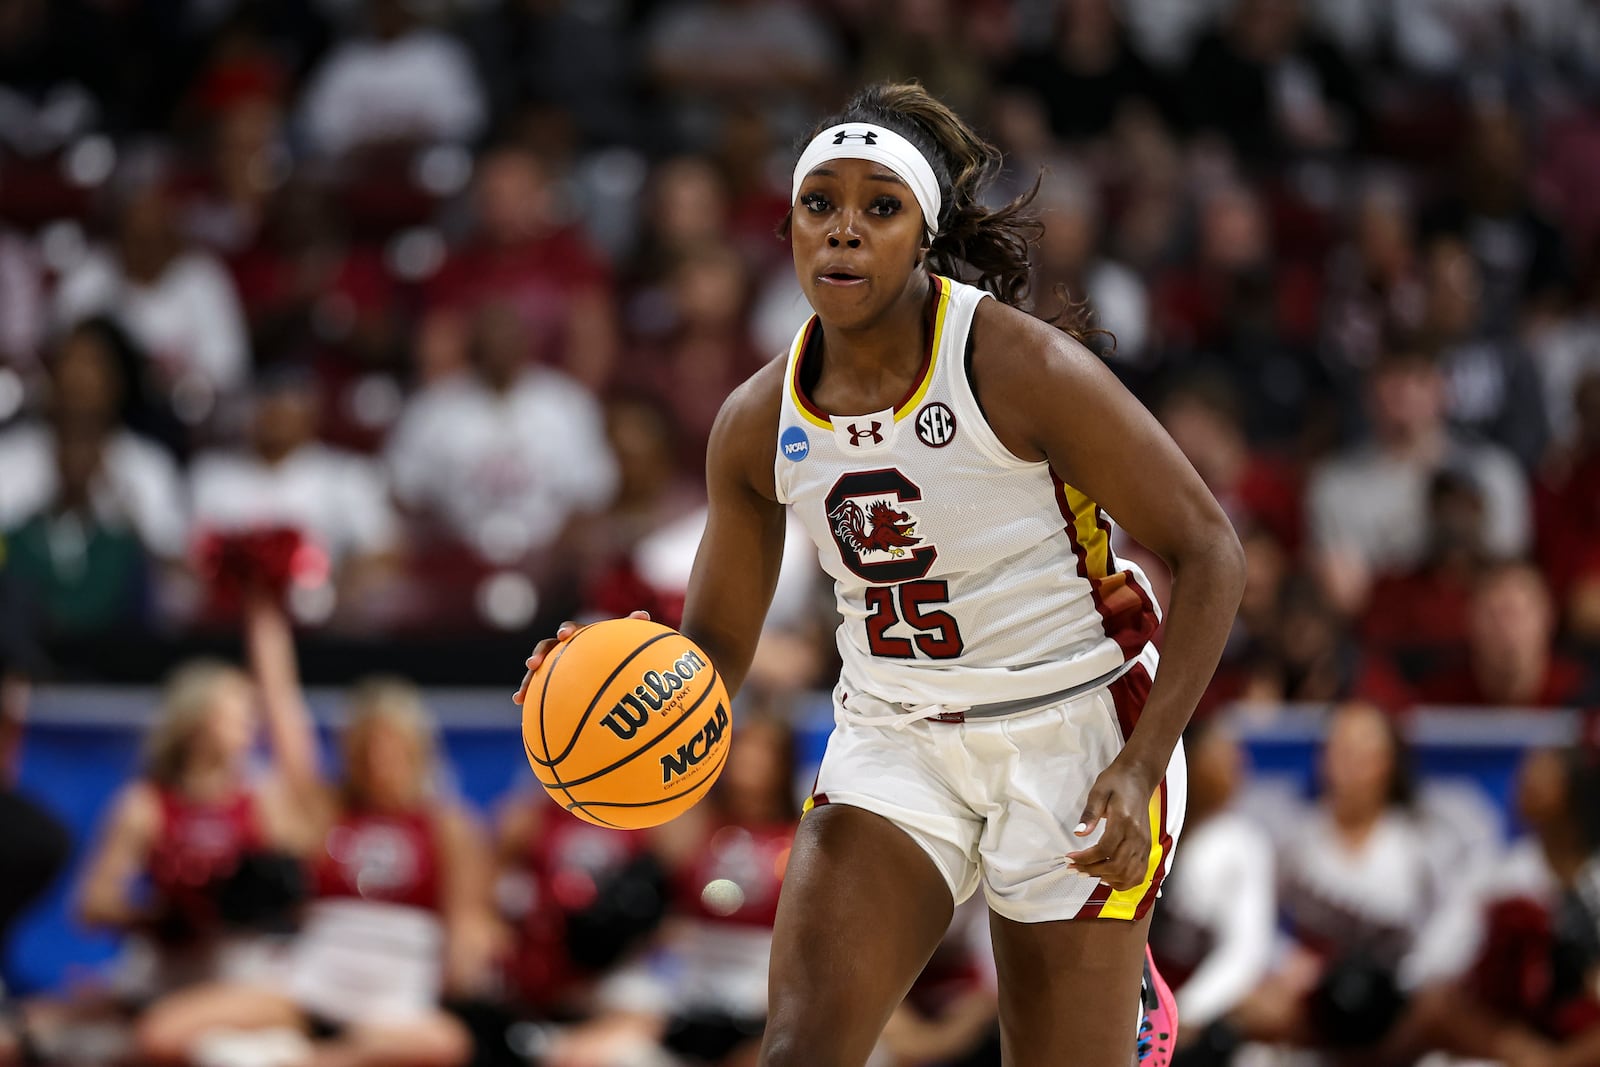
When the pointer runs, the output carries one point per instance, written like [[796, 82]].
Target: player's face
[[857, 234]]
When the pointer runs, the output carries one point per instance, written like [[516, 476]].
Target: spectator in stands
[[703, 54], [89, 503], [1565, 355], [702, 995], [563, 52], [656, 490], [1067, 264], [1258, 491], [1214, 932], [522, 257], [923, 39], [239, 98], [686, 207], [1311, 656], [1366, 508], [176, 301], [708, 350], [1508, 980], [285, 477], [1375, 288], [400, 897], [1568, 506], [1242, 312], [402, 83], [1491, 386], [504, 455], [1419, 618], [22, 295], [78, 556], [1511, 659], [1268, 83], [1086, 71], [1521, 263], [1358, 879]]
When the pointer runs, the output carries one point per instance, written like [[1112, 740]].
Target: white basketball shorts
[[994, 800]]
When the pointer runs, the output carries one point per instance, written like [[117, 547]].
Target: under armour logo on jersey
[[857, 435], [865, 137], [936, 425]]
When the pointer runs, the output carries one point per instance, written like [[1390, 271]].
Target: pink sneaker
[[1158, 1028]]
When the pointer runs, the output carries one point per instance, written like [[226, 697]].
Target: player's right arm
[[736, 567]]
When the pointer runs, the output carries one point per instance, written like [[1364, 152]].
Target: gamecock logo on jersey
[[876, 535]]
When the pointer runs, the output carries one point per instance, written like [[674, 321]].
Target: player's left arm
[[1048, 397]]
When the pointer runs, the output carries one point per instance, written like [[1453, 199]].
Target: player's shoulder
[[1010, 344], [752, 410], [744, 440]]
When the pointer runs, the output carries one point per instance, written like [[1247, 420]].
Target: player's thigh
[[862, 909], [1069, 990]]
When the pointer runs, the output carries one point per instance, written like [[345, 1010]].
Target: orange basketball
[[626, 723]]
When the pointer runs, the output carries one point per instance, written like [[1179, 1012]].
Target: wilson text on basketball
[[657, 689]]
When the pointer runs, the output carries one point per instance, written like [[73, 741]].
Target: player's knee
[[792, 1046]]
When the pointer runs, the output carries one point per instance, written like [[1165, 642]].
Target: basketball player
[[999, 721]]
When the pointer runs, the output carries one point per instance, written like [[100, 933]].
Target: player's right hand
[[564, 632]]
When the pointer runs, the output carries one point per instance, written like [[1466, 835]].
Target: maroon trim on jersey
[[936, 285], [1134, 638], [1131, 631], [1128, 694]]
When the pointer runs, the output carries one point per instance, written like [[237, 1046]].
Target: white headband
[[861, 140]]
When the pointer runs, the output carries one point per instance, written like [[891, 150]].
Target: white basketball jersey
[[964, 575]]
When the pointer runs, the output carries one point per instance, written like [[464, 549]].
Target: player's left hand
[[1121, 858]]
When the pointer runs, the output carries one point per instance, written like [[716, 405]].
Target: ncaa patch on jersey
[[794, 444], [936, 425]]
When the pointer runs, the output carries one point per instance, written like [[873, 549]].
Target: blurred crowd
[[424, 307], [402, 320]]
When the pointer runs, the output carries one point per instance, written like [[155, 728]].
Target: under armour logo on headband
[[880, 145]]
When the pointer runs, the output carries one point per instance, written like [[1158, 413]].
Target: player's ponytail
[[988, 247]]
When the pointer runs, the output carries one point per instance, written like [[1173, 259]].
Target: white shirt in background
[[505, 473], [419, 87], [339, 499], [1224, 884], [138, 484], [189, 321]]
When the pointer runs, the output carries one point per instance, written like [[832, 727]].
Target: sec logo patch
[[936, 425]]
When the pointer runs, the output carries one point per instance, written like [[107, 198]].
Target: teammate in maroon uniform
[[999, 721]]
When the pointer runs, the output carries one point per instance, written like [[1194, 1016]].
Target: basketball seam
[[654, 741], [578, 729], [711, 780]]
